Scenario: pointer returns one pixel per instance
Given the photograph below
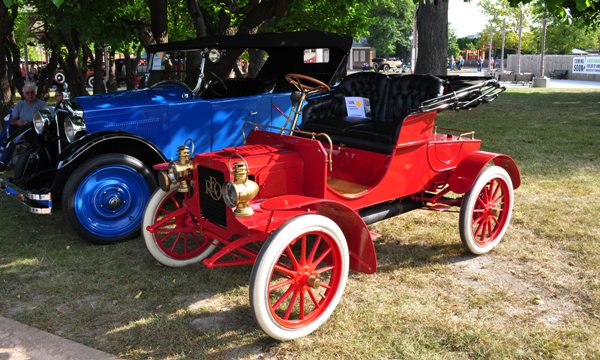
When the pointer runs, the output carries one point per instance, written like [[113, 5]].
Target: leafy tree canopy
[[588, 11], [390, 28]]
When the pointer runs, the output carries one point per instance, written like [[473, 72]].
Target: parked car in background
[[383, 64], [95, 154]]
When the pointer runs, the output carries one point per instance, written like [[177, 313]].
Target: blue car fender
[[103, 143]]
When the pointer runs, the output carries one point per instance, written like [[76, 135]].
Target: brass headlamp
[[241, 191], [178, 171]]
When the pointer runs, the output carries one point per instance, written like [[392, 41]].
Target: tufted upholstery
[[391, 98], [328, 114]]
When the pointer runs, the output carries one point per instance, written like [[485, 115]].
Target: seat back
[[332, 109], [407, 92]]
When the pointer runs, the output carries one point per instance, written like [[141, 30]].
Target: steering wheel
[[178, 82], [216, 85], [316, 85]]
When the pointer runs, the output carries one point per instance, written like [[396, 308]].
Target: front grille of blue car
[[212, 206]]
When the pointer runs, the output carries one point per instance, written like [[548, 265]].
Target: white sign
[[358, 107], [157, 61], [586, 65]]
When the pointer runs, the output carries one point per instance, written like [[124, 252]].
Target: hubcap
[[490, 211], [176, 231], [305, 279], [110, 201], [114, 202]]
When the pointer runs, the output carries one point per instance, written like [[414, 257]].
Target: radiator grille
[[212, 206]]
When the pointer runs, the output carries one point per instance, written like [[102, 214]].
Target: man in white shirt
[[24, 110]]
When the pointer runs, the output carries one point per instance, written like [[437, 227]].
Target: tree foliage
[[391, 25], [587, 11], [453, 46], [562, 36]]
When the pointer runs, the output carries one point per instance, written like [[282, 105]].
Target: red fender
[[358, 237], [467, 171]]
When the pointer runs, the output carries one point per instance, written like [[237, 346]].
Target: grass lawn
[[536, 296]]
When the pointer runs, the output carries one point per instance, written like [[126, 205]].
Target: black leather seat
[[391, 98], [328, 113]]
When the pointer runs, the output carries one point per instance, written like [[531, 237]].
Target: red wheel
[[171, 232], [299, 277], [486, 210]]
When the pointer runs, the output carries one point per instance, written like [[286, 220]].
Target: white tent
[[578, 52]]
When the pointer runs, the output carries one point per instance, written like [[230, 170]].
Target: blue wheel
[[104, 200]]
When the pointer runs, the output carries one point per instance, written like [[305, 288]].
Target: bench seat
[[392, 98]]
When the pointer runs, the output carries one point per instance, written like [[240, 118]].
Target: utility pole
[[542, 81], [520, 36], [491, 58], [503, 37], [544, 25]]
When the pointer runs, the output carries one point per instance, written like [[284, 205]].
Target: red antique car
[[297, 204]]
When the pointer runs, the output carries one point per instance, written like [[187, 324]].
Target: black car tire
[[114, 163], [386, 67], [90, 81]]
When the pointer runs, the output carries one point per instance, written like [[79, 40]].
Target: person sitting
[[21, 115], [24, 110]]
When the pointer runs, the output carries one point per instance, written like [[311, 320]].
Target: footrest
[[346, 188]]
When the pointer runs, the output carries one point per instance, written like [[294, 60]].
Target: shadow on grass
[[393, 255]]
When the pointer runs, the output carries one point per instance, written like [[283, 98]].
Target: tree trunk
[[268, 9], [111, 84], [130, 71], [432, 28], [197, 18], [6, 30], [257, 60], [47, 75], [15, 65], [158, 18], [71, 66], [99, 87]]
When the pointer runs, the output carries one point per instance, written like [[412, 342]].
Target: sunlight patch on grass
[[20, 263]]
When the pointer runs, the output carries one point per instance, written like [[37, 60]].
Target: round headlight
[[74, 128], [214, 55], [230, 195], [41, 119]]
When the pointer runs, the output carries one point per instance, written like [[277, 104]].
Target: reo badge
[[213, 188]]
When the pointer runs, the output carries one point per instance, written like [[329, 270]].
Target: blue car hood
[[162, 95]]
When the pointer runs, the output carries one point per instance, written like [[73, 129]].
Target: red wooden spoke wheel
[[299, 277], [486, 210], [171, 232]]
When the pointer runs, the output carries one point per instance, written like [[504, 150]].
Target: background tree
[[453, 46], [562, 37], [587, 11], [432, 39], [391, 27], [8, 52]]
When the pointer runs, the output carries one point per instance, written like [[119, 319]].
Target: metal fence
[[531, 64]]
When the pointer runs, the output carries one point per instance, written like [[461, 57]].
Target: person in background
[[479, 64], [24, 110], [451, 62], [59, 96]]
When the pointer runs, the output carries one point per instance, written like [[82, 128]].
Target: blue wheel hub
[[110, 201]]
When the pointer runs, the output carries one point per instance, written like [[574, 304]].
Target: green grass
[[536, 296]]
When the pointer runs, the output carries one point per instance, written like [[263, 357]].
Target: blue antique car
[[94, 154]]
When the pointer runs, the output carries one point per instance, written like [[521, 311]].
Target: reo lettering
[[213, 188]]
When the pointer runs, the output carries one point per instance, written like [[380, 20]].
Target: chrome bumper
[[36, 203]]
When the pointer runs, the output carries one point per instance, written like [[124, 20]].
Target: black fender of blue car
[[102, 143]]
